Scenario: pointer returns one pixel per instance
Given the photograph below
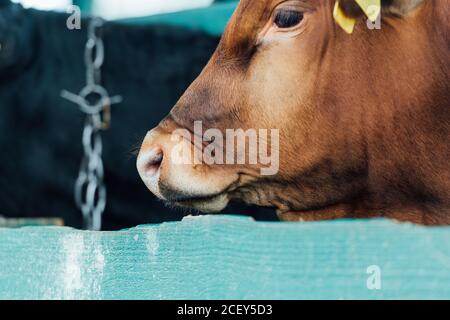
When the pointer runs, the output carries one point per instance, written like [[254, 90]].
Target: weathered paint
[[224, 257], [30, 222]]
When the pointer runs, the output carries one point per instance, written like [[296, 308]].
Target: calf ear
[[346, 12], [401, 7], [354, 8]]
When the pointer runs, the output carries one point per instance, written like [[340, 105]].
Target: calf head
[[333, 114]]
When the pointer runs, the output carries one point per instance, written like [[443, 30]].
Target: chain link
[[94, 101]]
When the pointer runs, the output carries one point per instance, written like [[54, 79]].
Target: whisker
[[134, 151]]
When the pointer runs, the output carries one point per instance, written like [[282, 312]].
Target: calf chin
[[212, 205]]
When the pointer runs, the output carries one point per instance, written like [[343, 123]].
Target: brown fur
[[364, 118]]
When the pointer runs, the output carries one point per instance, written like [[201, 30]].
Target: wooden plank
[[30, 222], [224, 257]]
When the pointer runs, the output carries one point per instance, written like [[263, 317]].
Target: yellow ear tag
[[371, 8], [345, 22]]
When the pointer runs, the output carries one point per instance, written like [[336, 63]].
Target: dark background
[[40, 133]]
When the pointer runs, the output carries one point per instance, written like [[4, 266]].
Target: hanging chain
[[95, 102]]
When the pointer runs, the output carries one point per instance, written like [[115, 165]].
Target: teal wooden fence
[[85, 5], [212, 19], [224, 257]]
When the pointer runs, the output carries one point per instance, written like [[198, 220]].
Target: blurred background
[[153, 50], [114, 9]]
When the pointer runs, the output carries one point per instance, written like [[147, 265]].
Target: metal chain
[[94, 101]]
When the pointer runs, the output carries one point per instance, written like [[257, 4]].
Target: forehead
[[248, 18], [251, 15], [257, 8]]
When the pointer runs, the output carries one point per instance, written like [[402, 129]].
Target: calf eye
[[288, 18]]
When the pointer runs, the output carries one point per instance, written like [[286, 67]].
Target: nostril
[[152, 161]]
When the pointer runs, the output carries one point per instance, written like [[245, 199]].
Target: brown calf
[[363, 119]]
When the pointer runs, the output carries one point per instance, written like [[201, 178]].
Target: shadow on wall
[[40, 133]]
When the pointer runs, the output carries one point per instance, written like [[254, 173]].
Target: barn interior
[[152, 52]]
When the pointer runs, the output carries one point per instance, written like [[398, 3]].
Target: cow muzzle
[[179, 180]]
